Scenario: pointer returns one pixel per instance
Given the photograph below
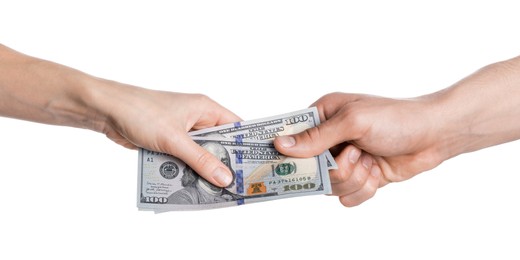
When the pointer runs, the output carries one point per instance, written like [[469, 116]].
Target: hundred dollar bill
[[270, 127], [260, 173]]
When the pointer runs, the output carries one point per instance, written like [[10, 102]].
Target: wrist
[[105, 101], [431, 141], [447, 140], [87, 99]]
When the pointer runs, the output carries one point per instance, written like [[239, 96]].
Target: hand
[[159, 121], [381, 140], [375, 140], [42, 91]]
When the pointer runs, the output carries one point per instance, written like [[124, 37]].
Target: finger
[[357, 179], [227, 116], [383, 166], [346, 160], [212, 113], [201, 161], [313, 141], [366, 192]]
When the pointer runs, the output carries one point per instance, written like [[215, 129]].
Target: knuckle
[[204, 159], [354, 120], [352, 116], [202, 98], [356, 181], [328, 97], [167, 145], [342, 175], [314, 135]]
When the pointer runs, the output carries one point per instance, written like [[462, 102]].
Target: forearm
[[46, 92], [481, 110]]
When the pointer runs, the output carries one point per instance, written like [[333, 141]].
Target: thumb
[[203, 162], [312, 141]]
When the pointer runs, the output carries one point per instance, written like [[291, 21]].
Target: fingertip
[[286, 141], [222, 176], [299, 145], [205, 163]]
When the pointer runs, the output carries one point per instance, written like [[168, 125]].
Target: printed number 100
[[297, 187]]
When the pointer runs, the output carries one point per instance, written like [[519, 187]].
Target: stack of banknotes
[[260, 172]]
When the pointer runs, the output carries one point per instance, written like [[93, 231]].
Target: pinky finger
[[366, 192]]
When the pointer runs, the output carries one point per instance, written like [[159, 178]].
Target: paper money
[[260, 174], [268, 128]]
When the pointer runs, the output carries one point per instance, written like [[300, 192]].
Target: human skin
[[379, 140], [42, 91]]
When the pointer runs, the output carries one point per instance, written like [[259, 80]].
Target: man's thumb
[[310, 142]]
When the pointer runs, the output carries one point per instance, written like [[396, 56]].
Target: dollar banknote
[[260, 173], [268, 128]]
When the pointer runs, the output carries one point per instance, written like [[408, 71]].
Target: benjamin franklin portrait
[[199, 191]]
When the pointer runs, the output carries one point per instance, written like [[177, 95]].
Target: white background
[[71, 194]]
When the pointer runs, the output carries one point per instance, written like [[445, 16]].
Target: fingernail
[[286, 141], [366, 161], [353, 155], [375, 172], [222, 177]]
